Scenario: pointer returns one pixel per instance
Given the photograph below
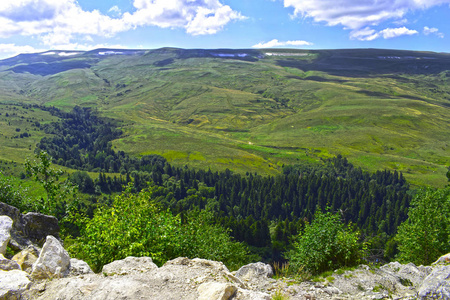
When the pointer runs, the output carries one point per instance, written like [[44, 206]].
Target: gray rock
[[216, 291], [243, 294], [6, 224], [36, 227], [53, 261], [13, 284], [255, 270], [7, 264], [29, 229], [129, 265], [79, 267], [437, 284], [443, 260], [26, 258]]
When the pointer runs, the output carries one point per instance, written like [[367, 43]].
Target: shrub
[[135, 225], [326, 244], [424, 236]]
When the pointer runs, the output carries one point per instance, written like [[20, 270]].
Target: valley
[[246, 110]]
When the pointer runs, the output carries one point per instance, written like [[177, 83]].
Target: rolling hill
[[246, 110]]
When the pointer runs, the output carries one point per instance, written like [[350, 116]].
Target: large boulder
[[53, 261], [7, 264], [129, 265], [437, 284], [216, 291], [30, 229], [6, 224], [26, 258], [13, 284], [79, 267], [255, 270]]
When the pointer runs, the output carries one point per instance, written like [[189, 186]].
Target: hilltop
[[247, 110]]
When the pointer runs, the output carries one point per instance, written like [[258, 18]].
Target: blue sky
[[40, 25]]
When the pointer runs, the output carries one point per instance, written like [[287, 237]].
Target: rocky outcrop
[[52, 274], [79, 267], [26, 258], [13, 284], [31, 229], [129, 265], [53, 261], [6, 224], [437, 284]]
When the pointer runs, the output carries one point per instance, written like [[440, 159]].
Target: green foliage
[[135, 225], [41, 171], [424, 236], [14, 195], [326, 244]]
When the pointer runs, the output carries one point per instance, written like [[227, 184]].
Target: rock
[[255, 270], [243, 294], [13, 284], [408, 275], [216, 291], [129, 265], [79, 267], [443, 260], [8, 265], [53, 261], [26, 258], [437, 284], [37, 227], [6, 224], [29, 229]]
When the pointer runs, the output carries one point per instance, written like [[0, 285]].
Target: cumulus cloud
[[277, 43], [60, 21], [197, 17], [368, 34], [7, 50], [360, 15], [427, 31], [357, 14]]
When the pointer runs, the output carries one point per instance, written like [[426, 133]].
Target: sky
[[29, 26]]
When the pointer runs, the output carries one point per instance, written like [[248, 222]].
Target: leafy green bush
[[424, 236], [14, 195], [325, 244], [135, 225]]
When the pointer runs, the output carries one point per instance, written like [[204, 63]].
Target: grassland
[[380, 108]]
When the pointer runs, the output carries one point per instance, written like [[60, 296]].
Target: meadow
[[254, 113]]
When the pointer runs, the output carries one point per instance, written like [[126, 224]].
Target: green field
[[250, 113]]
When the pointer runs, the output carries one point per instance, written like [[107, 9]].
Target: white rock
[[53, 261], [255, 270], [13, 283], [129, 265], [79, 267], [7, 264], [436, 285], [26, 258], [216, 291], [5, 228]]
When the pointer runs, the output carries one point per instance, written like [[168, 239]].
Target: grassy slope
[[256, 114]]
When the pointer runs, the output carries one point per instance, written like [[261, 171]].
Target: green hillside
[[246, 110]]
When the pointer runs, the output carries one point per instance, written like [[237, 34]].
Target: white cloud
[[277, 43], [196, 16], [8, 50], [360, 15], [368, 34], [427, 31], [115, 10], [390, 33], [57, 22], [357, 14]]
